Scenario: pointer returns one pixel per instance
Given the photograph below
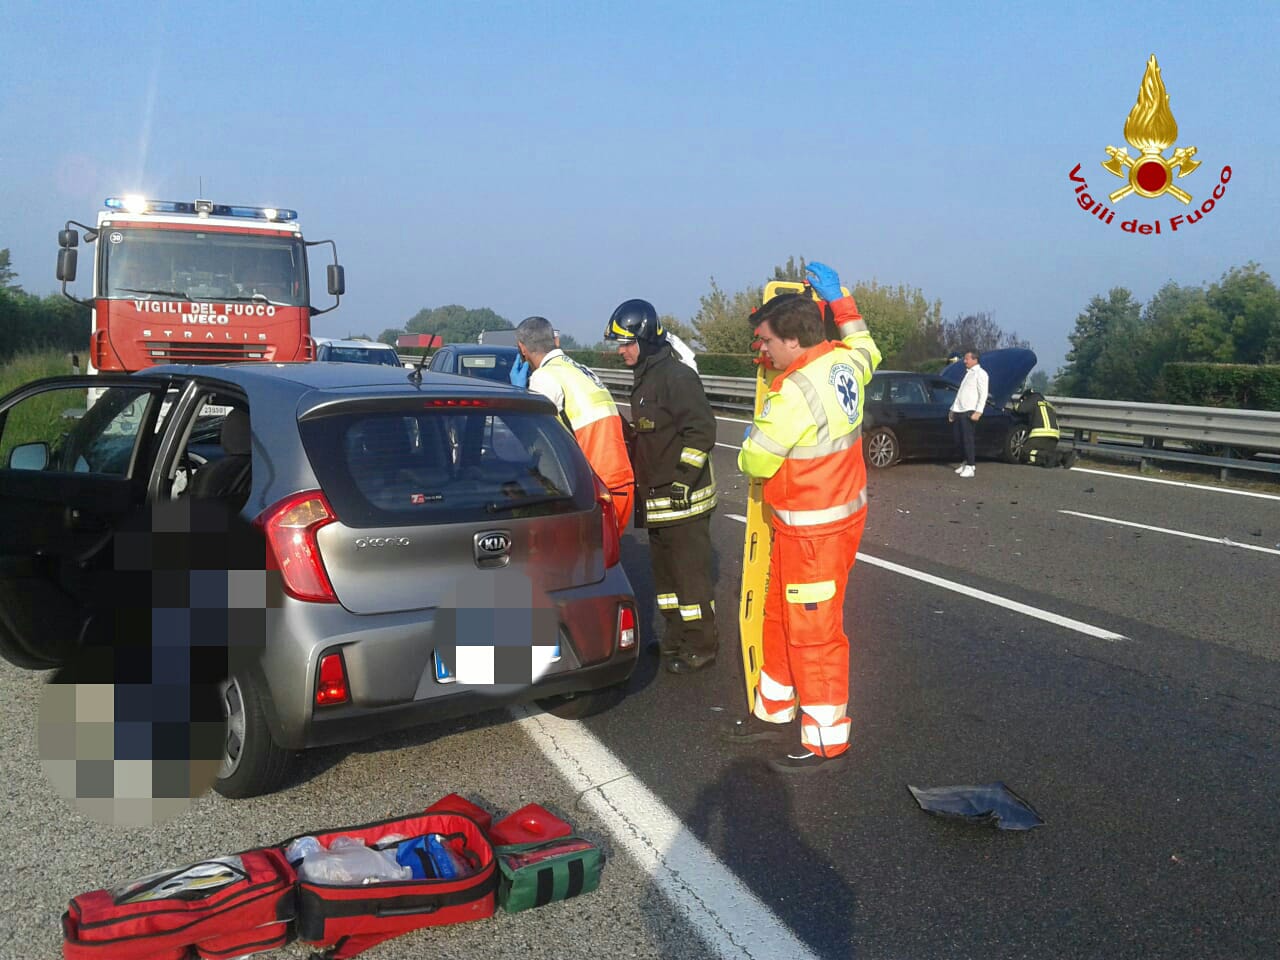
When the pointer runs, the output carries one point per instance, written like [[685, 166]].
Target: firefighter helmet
[[636, 320]]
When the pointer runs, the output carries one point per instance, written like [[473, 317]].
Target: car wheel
[[882, 448], [577, 706], [252, 763], [1015, 444]]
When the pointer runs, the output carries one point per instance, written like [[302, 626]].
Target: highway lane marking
[[1222, 541], [731, 919], [1079, 626], [1177, 483]]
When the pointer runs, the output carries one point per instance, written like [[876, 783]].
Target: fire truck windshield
[[150, 264]]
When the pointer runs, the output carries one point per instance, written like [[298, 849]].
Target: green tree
[[456, 323], [893, 314], [569, 342], [7, 274], [1097, 365], [1248, 304], [980, 332], [792, 271], [388, 336], [723, 321], [1038, 381]]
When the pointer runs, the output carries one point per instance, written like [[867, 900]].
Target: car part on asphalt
[[991, 804]]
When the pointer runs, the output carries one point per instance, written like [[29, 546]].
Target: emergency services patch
[[846, 383]]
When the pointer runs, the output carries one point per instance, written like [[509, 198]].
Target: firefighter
[[806, 443], [674, 434], [585, 405], [1043, 437]]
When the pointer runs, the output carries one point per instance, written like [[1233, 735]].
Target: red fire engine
[[196, 282]]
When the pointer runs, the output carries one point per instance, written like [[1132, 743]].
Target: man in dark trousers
[[674, 435]]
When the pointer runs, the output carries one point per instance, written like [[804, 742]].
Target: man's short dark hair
[[793, 317], [537, 334], [975, 353]]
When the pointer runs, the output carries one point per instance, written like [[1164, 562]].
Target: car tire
[[882, 449], [1015, 443], [587, 703], [252, 762]]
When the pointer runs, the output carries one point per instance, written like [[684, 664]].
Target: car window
[[488, 366], [77, 437], [903, 390], [381, 468], [944, 392], [875, 390], [360, 355]]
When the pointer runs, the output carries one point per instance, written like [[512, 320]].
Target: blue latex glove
[[520, 373], [825, 280], [746, 433]]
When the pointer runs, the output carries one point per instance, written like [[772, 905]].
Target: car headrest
[[235, 433]]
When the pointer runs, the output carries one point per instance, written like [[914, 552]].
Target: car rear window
[[362, 355], [488, 366], [389, 467]]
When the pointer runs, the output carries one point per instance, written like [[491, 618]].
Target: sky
[[559, 158]]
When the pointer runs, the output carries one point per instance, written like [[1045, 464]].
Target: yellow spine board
[[759, 537]]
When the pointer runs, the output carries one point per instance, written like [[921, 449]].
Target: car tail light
[[626, 627], [608, 525], [456, 403], [290, 528], [332, 686]]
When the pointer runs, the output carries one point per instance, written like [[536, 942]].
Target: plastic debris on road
[[991, 804]]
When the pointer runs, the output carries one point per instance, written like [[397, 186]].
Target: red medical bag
[[349, 919], [226, 907]]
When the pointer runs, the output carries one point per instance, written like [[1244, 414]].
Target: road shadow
[[747, 818]]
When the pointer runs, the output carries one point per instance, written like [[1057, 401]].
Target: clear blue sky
[[557, 158]]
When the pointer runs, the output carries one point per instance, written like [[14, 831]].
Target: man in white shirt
[[966, 409]]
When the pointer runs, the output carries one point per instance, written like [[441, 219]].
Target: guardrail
[[1227, 439]]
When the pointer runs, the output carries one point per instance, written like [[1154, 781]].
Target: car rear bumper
[[351, 724]]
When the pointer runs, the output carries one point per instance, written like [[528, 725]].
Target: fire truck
[[196, 282]]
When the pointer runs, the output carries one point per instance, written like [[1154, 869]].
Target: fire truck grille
[[160, 352]]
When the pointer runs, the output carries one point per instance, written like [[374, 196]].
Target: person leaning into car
[[584, 403], [966, 409], [674, 433]]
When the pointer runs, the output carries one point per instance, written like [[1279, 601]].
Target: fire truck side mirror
[[68, 238], [67, 264], [337, 280]]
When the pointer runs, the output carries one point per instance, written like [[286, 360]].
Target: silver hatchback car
[[438, 546]]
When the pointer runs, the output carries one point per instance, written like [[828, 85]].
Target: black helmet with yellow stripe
[[636, 321]]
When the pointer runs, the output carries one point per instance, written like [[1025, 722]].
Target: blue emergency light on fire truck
[[178, 281]]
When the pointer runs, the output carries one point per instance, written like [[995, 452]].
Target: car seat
[[227, 476]]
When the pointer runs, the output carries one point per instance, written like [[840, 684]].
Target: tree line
[[458, 324], [29, 323], [1120, 347]]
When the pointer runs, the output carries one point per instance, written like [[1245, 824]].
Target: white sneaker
[[960, 469], [967, 472]]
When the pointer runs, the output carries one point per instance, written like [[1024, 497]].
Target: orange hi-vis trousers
[[806, 651]]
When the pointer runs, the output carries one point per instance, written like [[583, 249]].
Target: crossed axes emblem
[[1181, 159]]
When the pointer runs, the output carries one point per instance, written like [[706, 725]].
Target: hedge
[[1237, 386]]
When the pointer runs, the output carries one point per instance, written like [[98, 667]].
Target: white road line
[[1222, 541], [1177, 483], [727, 915], [1079, 626]]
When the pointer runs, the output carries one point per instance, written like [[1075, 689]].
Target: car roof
[[369, 344], [322, 376], [489, 348]]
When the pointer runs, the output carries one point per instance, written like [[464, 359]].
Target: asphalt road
[[1152, 758]]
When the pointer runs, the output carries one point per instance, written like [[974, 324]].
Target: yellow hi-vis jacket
[[591, 414], [807, 440]]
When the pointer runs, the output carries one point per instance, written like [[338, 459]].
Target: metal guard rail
[[1237, 432]]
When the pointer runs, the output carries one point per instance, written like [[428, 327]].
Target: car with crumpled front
[[441, 544]]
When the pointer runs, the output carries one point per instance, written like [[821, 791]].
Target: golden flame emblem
[[1151, 129]]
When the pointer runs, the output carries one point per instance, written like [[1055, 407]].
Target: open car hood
[[1006, 370]]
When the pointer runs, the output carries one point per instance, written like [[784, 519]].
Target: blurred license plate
[[444, 675]]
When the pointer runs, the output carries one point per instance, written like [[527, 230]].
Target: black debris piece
[[991, 804]]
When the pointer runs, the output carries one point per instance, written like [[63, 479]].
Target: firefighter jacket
[[806, 441], [674, 435], [588, 409], [1043, 418]]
